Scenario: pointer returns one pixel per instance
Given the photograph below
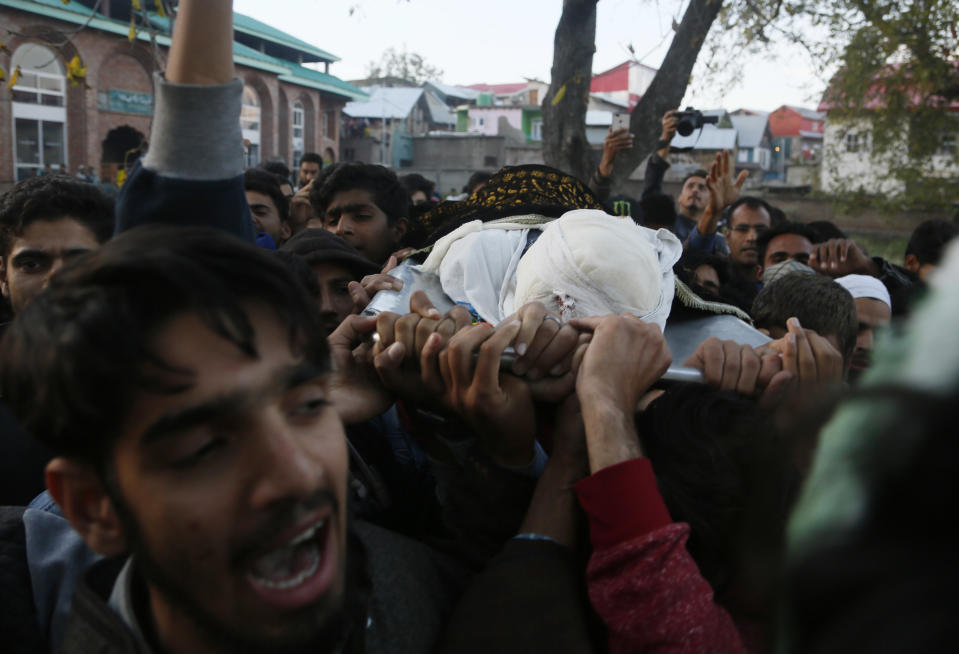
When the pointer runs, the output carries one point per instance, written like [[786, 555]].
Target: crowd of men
[[212, 441]]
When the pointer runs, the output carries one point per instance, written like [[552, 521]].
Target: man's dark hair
[[725, 470], [929, 240], [50, 197], [312, 157], [260, 181], [657, 210], [762, 242], [477, 179], [415, 182], [750, 202], [692, 259], [696, 173], [817, 301], [278, 168], [388, 194], [76, 356]]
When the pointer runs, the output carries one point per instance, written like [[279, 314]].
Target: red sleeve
[[642, 581], [622, 502]]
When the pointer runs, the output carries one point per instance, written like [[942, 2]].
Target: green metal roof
[[323, 81], [296, 74], [247, 25]]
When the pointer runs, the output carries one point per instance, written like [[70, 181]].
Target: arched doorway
[[120, 150], [329, 157]]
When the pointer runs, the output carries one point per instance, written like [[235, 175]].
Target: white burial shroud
[[585, 263]]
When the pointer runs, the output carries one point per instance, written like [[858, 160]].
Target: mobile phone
[[620, 121]]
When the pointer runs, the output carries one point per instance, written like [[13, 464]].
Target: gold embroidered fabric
[[514, 190]]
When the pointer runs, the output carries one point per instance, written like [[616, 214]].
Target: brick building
[[45, 119]]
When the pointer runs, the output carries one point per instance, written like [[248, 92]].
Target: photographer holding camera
[[693, 198]]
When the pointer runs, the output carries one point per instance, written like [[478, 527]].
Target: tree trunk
[[668, 87], [564, 107]]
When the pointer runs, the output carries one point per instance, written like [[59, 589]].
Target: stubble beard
[[323, 627]]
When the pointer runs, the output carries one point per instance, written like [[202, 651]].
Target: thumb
[[390, 264]]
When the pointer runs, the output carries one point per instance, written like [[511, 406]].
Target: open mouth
[[297, 571]]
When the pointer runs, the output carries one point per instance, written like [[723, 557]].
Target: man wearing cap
[[337, 265], [873, 310]]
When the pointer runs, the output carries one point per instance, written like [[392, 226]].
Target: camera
[[692, 119]]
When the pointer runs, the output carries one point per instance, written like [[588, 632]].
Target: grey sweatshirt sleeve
[[192, 175], [196, 131]]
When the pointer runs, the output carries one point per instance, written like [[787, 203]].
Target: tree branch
[[669, 85]]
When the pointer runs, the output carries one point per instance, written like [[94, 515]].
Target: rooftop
[[750, 130], [248, 30], [499, 89], [276, 51], [446, 91]]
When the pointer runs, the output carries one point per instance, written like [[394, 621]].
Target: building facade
[[797, 137], [51, 118]]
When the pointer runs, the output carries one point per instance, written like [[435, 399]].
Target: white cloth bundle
[[476, 263], [588, 263]]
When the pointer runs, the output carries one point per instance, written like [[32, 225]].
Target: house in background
[[624, 84], [849, 164], [509, 110], [797, 138], [522, 94], [753, 141], [288, 108], [453, 96], [380, 129]]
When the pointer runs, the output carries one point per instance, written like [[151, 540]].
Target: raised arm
[[193, 172], [642, 581]]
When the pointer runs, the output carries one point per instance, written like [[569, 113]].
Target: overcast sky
[[500, 41]]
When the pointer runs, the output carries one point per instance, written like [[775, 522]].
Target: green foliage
[[404, 65], [893, 67]]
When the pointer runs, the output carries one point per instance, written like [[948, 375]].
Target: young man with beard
[[190, 407], [310, 165]]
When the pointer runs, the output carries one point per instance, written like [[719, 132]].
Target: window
[[250, 124], [41, 77], [948, 145], [329, 124], [489, 161], [39, 110], [536, 129], [297, 122], [852, 142]]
